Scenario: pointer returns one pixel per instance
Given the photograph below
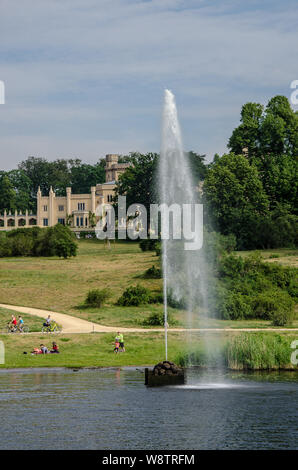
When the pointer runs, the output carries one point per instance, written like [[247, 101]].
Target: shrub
[[157, 319], [274, 305], [134, 295], [57, 241], [236, 306], [5, 246], [148, 244], [153, 273], [175, 302], [158, 249], [156, 298], [97, 297]]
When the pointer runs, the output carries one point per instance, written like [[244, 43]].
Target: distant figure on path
[[48, 321]]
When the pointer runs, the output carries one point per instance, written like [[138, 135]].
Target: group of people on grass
[[119, 343], [44, 350]]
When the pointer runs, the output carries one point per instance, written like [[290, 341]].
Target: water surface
[[112, 409]]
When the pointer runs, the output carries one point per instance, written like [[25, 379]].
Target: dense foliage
[[97, 297], [52, 241], [18, 188], [250, 193]]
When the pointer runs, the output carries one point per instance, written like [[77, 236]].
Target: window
[[45, 222], [45, 208], [80, 221], [61, 221], [81, 206], [110, 197], [61, 208]]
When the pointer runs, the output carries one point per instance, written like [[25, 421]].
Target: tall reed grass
[[246, 351]]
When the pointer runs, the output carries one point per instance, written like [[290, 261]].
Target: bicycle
[[16, 329], [52, 328]]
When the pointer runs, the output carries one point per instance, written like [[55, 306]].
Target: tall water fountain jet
[[183, 269]]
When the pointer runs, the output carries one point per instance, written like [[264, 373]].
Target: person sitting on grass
[[44, 349], [36, 351], [55, 348]]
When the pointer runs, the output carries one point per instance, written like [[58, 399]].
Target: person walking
[[121, 341]]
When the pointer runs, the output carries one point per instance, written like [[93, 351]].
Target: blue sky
[[86, 77]]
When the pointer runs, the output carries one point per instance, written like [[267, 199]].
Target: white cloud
[[101, 66]]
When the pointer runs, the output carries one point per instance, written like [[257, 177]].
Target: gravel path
[[72, 324]]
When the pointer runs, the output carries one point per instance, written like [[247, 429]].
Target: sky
[[84, 78]]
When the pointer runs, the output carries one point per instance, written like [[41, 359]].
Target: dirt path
[[72, 324]]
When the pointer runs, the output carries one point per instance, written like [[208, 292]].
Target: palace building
[[72, 209]]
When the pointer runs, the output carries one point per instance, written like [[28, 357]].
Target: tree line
[[250, 192]]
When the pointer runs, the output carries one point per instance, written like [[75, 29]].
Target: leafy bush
[[158, 249], [174, 302], [134, 295], [52, 241], [148, 244], [157, 319], [156, 298], [57, 241], [274, 305], [97, 297], [236, 306], [248, 287], [153, 273]]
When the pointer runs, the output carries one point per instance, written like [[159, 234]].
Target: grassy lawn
[[92, 350], [61, 285], [34, 323], [285, 256], [96, 350]]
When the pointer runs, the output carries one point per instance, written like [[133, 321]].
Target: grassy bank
[[244, 351], [61, 285], [249, 351]]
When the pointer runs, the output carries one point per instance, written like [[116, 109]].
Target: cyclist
[[47, 322], [20, 323]]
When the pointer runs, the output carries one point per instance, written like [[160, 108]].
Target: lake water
[[112, 409]]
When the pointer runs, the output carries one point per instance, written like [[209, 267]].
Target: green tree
[[235, 197], [273, 130], [7, 194], [83, 176], [138, 182], [23, 187]]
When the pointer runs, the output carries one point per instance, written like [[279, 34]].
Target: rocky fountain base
[[164, 373]]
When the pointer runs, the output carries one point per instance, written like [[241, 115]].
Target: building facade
[[73, 209]]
